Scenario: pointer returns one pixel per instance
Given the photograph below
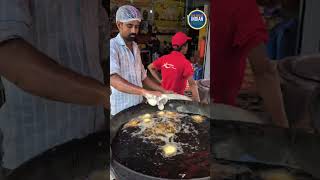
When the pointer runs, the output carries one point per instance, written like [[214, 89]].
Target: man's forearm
[[155, 74], [37, 74], [268, 86], [195, 93], [124, 86], [154, 86], [194, 89]]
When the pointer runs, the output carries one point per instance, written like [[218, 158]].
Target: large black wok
[[229, 137], [211, 111]]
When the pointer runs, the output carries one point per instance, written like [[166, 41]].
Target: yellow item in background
[[202, 37], [277, 175]]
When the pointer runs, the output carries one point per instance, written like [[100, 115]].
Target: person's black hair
[[179, 48]]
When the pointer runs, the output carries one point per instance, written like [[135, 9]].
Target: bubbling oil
[[163, 126], [165, 144]]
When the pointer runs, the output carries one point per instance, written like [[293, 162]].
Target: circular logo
[[197, 19]]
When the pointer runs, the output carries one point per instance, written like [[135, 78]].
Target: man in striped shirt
[[53, 80], [127, 74]]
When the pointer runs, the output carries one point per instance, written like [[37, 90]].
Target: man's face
[[129, 30]]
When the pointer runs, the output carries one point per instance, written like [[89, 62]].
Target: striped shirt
[[128, 65], [68, 32]]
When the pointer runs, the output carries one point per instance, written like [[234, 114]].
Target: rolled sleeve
[[15, 19], [114, 59], [158, 63], [188, 70]]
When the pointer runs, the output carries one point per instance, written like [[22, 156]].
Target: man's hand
[[167, 92], [148, 82], [152, 97], [154, 100], [155, 93]]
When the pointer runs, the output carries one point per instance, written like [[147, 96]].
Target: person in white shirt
[[127, 74]]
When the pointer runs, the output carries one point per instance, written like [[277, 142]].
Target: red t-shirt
[[175, 70], [236, 28]]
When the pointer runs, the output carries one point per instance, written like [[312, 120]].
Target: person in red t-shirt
[[237, 33], [175, 69]]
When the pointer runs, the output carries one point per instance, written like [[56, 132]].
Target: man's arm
[[154, 72], [154, 86], [123, 85], [194, 89], [37, 74], [268, 84]]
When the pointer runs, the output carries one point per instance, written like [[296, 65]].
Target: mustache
[[131, 37]]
